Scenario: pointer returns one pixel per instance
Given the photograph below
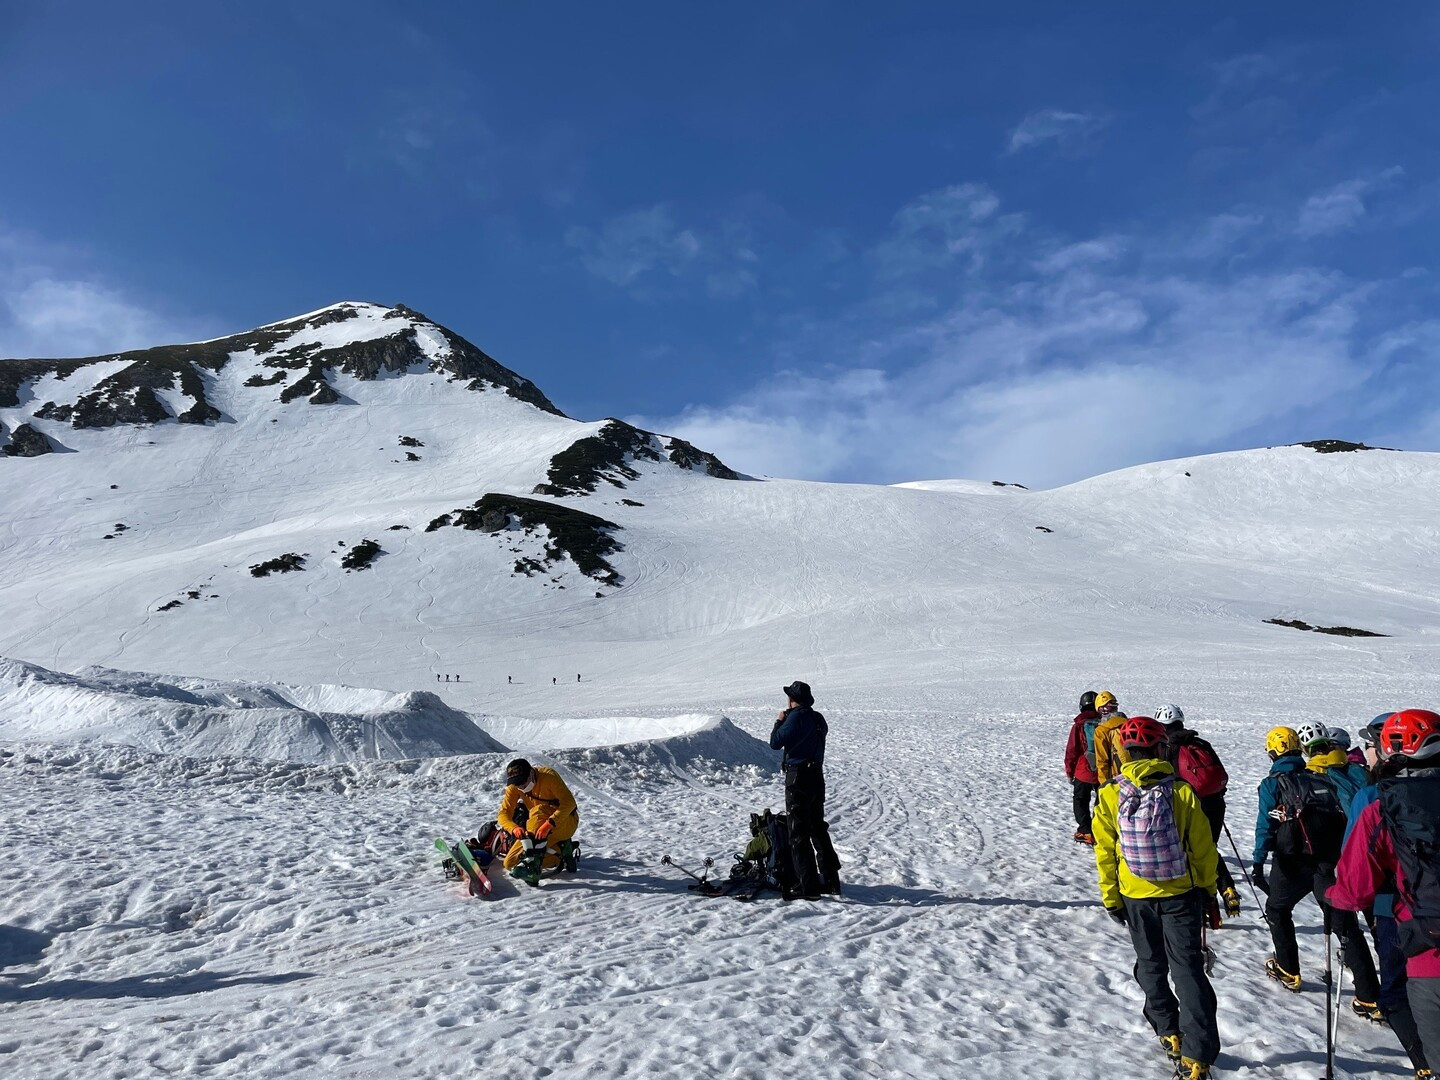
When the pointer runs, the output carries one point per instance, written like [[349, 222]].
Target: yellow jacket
[[1109, 754], [549, 799], [1115, 877]]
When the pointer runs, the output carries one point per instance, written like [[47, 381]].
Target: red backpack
[[1199, 766]]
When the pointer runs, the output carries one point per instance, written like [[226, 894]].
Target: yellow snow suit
[[1109, 754], [549, 800], [1115, 877]]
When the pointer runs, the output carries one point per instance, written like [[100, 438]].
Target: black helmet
[[518, 772], [1087, 701]]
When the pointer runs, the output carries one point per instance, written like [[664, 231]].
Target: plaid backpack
[[1150, 839]]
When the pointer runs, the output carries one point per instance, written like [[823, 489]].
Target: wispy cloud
[[1341, 207], [1065, 360], [50, 307], [643, 248], [1070, 132]]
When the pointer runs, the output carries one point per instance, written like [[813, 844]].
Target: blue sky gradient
[[831, 241]]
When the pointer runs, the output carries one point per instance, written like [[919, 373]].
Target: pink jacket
[[1367, 865]]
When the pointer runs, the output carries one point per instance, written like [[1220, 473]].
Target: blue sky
[[852, 242]]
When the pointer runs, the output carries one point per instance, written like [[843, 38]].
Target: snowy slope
[[947, 636]]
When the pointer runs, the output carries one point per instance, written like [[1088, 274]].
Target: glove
[[1258, 873], [546, 828], [518, 832], [1118, 914], [1212, 913]]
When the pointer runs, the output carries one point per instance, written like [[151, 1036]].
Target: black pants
[[810, 850], [1291, 880], [1394, 1001], [1169, 948], [1424, 995], [1213, 807], [1083, 794]]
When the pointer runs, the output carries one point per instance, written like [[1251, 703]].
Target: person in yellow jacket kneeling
[[1157, 862], [538, 803]]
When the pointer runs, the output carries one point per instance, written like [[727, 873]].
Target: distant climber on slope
[[537, 803], [1080, 765], [800, 731]]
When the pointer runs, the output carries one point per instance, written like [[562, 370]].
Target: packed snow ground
[[219, 915]]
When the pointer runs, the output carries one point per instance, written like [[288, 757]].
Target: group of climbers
[[1357, 828]]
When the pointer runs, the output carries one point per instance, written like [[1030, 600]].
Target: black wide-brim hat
[[799, 693]]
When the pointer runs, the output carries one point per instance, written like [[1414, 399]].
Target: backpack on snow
[[1150, 840], [1410, 808], [1309, 818], [1199, 766], [766, 860]]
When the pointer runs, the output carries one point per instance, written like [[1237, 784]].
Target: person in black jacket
[[1177, 737], [800, 731]]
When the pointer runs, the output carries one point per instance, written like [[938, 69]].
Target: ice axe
[[1246, 874]]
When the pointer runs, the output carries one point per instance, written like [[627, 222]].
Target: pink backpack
[[1150, 840]]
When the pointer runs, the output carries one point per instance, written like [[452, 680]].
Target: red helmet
[[1411, 733], [1141, 731]]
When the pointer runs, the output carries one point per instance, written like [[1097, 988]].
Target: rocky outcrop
[[25, 441], [608, 457], [585, 539]]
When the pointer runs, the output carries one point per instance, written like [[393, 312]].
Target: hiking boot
[[1171, 1046], [1190, 1069], [1088, 839], [1424, 1074], [1367, 1010], [1280, 975], [1231, 899], [830, 887]]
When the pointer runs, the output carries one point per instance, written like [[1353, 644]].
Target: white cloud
[[47, 309], [643, 248], [1119, 351], [942, 226], [1071, 132], [1344, 206], [1333, 211]]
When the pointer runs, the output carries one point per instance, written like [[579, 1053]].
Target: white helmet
[[1311, 733], [1169, 715]]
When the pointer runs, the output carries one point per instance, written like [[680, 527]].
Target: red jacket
[[1077, 766], [1367, 865]]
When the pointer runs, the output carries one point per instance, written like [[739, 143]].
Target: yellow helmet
[[1103, 698], [1281, 741]]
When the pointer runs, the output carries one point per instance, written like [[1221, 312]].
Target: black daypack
[[1410, 808], [1310, 821], [766, 861]]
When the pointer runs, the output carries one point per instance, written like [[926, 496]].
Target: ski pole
[[665, 860], [1246, 873], [1329, 1027]]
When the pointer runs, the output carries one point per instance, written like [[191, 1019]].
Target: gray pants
[[1424, 995], [1166, 933]]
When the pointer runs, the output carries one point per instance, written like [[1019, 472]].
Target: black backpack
[[1410, 808], [767, 857], [1310, 821]]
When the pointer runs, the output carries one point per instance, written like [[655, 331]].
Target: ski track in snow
[[232, 917]]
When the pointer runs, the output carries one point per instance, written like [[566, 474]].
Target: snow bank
[[203, 718], [633, 750]]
